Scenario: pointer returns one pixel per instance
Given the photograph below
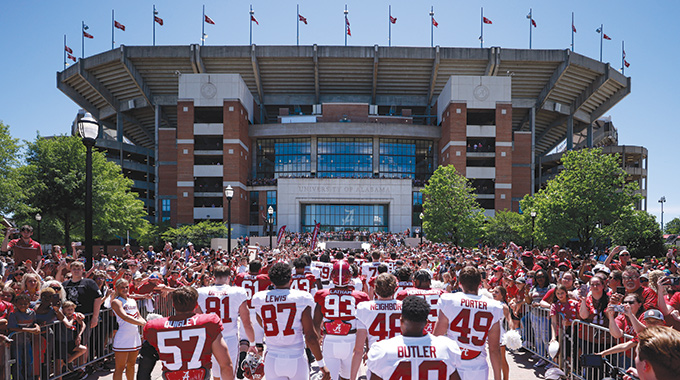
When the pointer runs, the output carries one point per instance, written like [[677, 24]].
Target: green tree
[[54, 184], [673, 227], [507, 226], [591, 191], [640, 232], [451, 212], [10, 192], [199, 234]]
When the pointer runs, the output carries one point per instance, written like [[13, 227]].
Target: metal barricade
[[592, 339], [535, 330]]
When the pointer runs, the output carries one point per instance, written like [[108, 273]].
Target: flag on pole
[[72, 58], [606, 37], [209, 20], [349, 32], [435, 23], [158, 20], [486, 20], [282, 231], [573, 28], [393, 20], [626, 63], [315, 234], [87, 35], [252, 18], [302, 18], [68, 49], [119, 25], [533, 22]]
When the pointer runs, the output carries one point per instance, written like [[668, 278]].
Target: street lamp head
[[270, 210], [88, 128], [38, 217], [662, 200], [533, 214], [229, 192], [421, 216]]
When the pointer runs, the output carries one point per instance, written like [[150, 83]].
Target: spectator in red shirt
[[24, 247], [631, 281], [562, 313]]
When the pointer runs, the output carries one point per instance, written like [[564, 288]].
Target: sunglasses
[[629, 302], [625, 254], [57, 288]]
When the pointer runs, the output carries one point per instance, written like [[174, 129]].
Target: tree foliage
[[53, 181], [451, 212], [640, 232], [673, 227], [10, 191], [507, 226], [590, 192], [199, 234]]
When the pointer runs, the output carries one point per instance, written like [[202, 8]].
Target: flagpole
[[203, 27], [82, 43], [601, 39], [389, 25], [113, 20], [64, 52], [531, 18], [251, 23], [432, 26], [481, 36], [153, 21], [298, 24], [623, 58], [346, 12], [572, 31]]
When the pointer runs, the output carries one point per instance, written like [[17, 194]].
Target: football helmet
[[341, 274], [253, 367]]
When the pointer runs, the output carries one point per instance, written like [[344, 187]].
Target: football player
[[472, 321], [285, 315], [414, 354], [229, 302], [306, 282], [186, 340], [335, 315], [422, 282]]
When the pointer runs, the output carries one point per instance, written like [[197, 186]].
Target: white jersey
[[281, 313], [380, 318], [324, 270], [370, 270], [470, 319], [225, 301], [426, 357]]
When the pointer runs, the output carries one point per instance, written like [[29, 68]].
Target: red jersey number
[[481, 323], [173, 342], [384, 327], [301, 284], [270, 320], [221, 308], [403, 370]]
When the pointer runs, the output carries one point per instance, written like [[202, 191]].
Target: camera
[[618, 308]]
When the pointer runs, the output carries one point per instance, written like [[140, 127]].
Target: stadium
[[344, 136]]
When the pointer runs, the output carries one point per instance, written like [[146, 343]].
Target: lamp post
[[533, 223], [421, 216], [229, 193], [270, 212], [38, 218], [662, 201], [88, 128]]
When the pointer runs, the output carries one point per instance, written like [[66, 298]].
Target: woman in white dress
[[127, 342]]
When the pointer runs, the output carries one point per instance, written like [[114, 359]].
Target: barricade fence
[[579, 338]]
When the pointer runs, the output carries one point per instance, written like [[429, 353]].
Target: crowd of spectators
[[53, 296]]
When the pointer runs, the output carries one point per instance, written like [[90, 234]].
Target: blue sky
[[32, 35]]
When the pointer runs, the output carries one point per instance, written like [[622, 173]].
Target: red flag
[[68, 49], [533, 22], [209, 20], [252, 18], [393, 20], [624, 54], [119, 25], [435, 23], [158, 20], [87, 35], [315, 234], [626, 63], [72, 58], [573, 28], [302, 18], [606, 37], [349, 32], [282, 231], [486, 20]]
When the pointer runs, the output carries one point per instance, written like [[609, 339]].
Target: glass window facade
[[417, 208], [165, 209], [345, 157], [333, 217], [254, 211], [271, 201], [403, 158], [283, 157]]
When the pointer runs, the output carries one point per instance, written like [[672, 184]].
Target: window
[[345, 157], [403, 158], [334, 217], [165, 209], [283, 157], [417, 208], [271, 201], [254, 208]]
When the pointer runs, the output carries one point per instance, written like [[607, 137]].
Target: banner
[[282, 231], [315, 234]]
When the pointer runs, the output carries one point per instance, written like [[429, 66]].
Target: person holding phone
[[24, 247]]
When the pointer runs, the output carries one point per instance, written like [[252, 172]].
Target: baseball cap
[[521, 280], [155, 276], [601, 268], [653, 313], [527, 254], [497, 268]]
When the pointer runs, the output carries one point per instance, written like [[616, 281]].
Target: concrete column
[[532, 120], [589, 136], [570, 132], [313, 154], [119, 136], [157, 202], [376, 155]]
